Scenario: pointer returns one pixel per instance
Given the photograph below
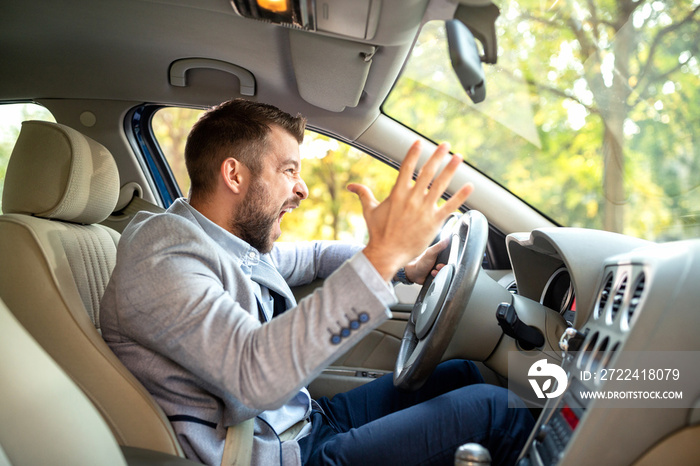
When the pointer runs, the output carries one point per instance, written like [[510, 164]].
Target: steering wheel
[[442, 300]]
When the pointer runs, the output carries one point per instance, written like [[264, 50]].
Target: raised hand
[[402, 226]]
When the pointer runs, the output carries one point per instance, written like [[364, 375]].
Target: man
[[190, 308]]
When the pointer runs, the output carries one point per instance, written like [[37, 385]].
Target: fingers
[[425, 180], [437, 186], [427, 172], [401, 227], [437, 268], [365, 194], [437, 189], [434, 251], [408, 166], [437, 248], [457, 199]]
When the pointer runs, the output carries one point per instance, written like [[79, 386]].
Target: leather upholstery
[[56, 172], [46, 419], [55, 266]]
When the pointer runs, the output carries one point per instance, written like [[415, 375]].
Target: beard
[[252, 223], [256, 218]]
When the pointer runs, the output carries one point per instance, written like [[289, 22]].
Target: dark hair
[[238, 128]]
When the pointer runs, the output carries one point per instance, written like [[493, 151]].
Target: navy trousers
[[378, 424]]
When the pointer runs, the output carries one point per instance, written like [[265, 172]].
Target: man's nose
[[301, 190]]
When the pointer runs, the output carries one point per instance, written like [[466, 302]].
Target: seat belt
[[238, 449], [118, 220]]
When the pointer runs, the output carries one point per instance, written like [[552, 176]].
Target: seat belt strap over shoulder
[[238, 449], [121, 217]]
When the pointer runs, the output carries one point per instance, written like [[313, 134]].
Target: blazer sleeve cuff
[[381, 289]]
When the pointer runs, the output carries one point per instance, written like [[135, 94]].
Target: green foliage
[[328, 166], [591, 116], [171, 125], [591, 113], [332, 212]]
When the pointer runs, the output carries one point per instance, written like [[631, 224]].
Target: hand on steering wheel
[[441, 301]]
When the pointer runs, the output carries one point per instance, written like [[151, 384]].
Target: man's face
[[276, 190]]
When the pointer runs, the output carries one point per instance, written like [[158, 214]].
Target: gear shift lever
[[472, 454]]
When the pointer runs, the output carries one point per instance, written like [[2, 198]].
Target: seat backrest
[[56, 262], [45, 419]]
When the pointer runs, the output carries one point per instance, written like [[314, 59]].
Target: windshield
[[591, 113]]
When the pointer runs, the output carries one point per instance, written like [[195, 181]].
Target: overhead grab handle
[[179, 69]]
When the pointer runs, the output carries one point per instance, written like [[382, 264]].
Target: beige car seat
[[56, 262], [46, 419]]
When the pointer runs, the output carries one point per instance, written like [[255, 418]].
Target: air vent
[[636, 298], [513, 288], [618, 298], [609, 356], [585, 355], [599, 354], [604, 296]]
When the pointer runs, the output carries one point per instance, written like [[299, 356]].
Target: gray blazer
[[181, 312]]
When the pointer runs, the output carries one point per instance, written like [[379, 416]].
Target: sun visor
[[331, 73]]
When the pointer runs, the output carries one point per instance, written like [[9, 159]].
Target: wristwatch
[[400, 277]]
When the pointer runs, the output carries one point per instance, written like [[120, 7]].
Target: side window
[[328, 166], [11, 118]]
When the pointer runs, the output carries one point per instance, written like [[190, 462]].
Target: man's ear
[[234, 175]]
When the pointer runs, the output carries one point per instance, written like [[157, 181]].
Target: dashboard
[[632, 392], [559, 294]]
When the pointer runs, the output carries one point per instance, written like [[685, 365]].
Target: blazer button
[[364, 317], [335, 339]]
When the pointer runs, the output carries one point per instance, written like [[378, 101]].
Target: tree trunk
[[614, 109], [613, 179]]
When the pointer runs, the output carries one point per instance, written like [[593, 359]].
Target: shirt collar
[[242, 252], [259, 267]]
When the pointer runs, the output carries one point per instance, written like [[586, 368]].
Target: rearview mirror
[[465, 59]]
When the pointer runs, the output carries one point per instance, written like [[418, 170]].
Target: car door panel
[[374, 356]]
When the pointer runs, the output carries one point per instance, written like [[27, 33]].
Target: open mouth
[[286, 210]]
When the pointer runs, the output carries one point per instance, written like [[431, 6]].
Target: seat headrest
[[56, 172]]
